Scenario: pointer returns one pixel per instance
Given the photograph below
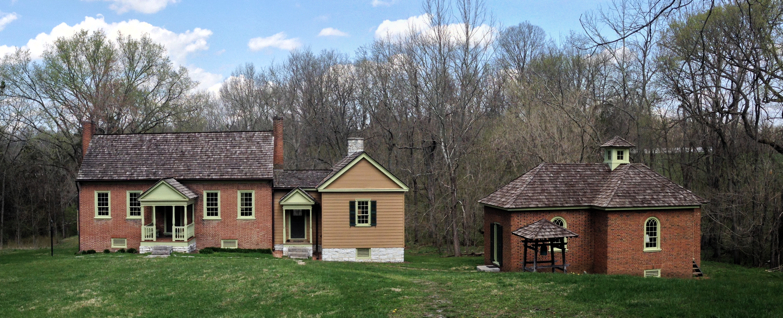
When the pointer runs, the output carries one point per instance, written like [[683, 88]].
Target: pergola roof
[[542, 230]]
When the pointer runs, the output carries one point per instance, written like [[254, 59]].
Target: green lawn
[[227, 285]]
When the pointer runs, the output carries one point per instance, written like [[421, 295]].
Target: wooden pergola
[[543, 237]]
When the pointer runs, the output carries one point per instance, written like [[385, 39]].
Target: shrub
[[132, 250], [89, 252], [106, 251], [235, 250], [122, 250]]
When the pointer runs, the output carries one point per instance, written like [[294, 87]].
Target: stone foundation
[[181, 249], [380, 255]]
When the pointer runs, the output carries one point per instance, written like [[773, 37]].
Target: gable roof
[[215, 155], [352, 159], [616, 141], [180, 192], [308, 179], [296, 191], [543, 229], [591, 185]]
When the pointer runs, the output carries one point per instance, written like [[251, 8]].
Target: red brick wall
[[579, 249], [608, 242], [96, 234], [679, 243]]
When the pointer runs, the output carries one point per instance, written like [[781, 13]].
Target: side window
[[102, 204], [212, 205], [134, 207], [561, 222], [246, 206], [620, 155], [652, 234], [363, 212]]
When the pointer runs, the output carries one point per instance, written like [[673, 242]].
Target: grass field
[[33, 284]]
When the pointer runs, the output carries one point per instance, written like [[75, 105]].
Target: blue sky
[[212, 38]]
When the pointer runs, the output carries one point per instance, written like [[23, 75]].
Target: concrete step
[[161, 250]]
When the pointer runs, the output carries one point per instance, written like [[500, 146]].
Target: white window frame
[[223, 244], [108, 216], [119, 246], [369, 212], [657, 247], [206, 196], [565, 239], [128, 204], [652, 273], [252, 215], [369, 253]]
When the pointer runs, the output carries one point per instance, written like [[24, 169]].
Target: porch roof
[[167, 191], [543, 229]]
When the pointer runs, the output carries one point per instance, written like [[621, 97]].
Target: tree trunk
[[2, 210]]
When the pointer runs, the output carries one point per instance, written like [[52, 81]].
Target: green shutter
[[352, 208], [373, 204], [499, 230]]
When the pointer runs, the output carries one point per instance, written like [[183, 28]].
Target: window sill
[[246, 218], [213, 218], [652, 250], [363, 225], [133, 217], [103, 217]]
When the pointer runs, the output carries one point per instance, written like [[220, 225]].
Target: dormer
[[617, 151]]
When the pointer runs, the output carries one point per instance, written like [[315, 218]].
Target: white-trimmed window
[[652, 234], [561, 222], [103, 204], [134, 207], [212, 205], [363, 253], [229, 244], [362, 212], [246, 206], [620, 154], [652, 273], [119, 243]]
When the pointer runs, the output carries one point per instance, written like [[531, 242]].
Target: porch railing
[[148, 232], [191, 230], [182, 233]]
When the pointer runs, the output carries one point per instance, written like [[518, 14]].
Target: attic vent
[[362, 253], [228, 244], [119, 243], [652, 273]]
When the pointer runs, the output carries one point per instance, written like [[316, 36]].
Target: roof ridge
[[617, 186], [535, 171]]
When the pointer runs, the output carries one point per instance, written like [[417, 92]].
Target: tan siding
[[363, 175], [279, 214], [390, 229]]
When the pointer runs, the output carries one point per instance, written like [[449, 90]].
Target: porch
[[172, 204], [298, 236]]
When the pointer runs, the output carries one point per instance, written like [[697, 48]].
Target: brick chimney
[[88, 129], [277, 133], [355, 144]]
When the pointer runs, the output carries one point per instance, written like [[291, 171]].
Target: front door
[[297, 224]]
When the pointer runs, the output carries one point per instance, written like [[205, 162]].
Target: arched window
[[652, 234], [562, 222]]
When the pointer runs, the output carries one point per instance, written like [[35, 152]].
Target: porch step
[[697, 271], [298, 252], [161, 250]]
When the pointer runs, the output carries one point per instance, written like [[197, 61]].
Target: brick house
[[630, 219], [229, 189]]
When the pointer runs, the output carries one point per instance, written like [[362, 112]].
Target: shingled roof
[[543, 229], [216, 156], [591, 185], [618, 142], [289, 179]]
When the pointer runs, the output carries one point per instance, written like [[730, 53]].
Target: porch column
[[143, 208], [173, 224], [311, 225], [154, 224], [284, 236]]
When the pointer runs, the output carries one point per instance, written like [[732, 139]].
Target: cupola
[[616, 152]]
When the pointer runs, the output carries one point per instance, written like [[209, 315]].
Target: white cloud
[[422, 26], [206, 80], [332, 32], [378, 3], [143, 6], [178, 45], [400, 28], [6, 19], [277, 41]]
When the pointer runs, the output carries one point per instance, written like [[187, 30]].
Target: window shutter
[[373, 204], [352, 208], [500, 244]]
